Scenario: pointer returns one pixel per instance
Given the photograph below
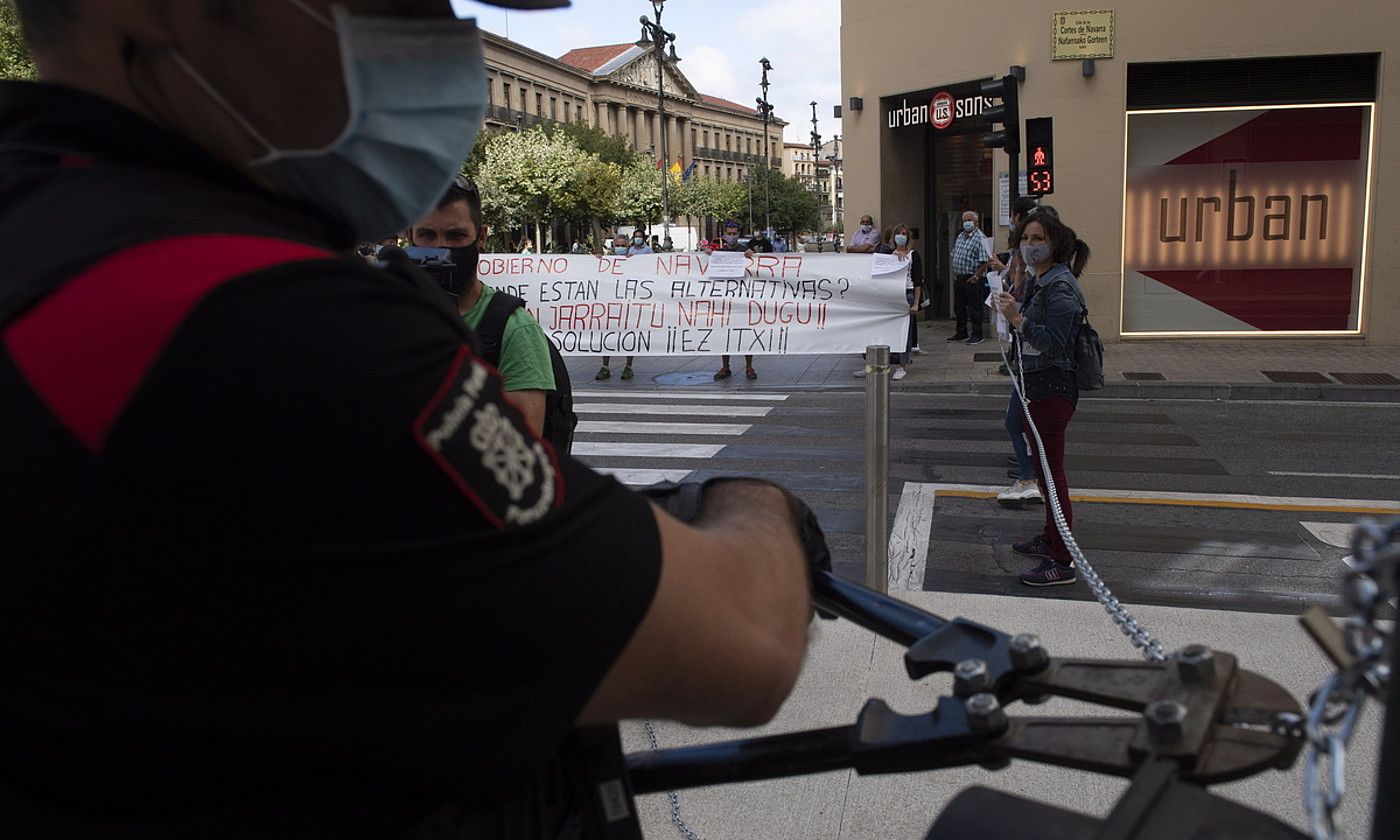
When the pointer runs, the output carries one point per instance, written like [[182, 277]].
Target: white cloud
[[719, 44], [710, 71]]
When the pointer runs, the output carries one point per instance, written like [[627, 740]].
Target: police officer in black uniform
[[279, 560]]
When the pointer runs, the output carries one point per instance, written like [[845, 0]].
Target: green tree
[[595, 196], [15, 62], [530, 175], [639, 196], [709, 197], [608, 148], [795, 208]]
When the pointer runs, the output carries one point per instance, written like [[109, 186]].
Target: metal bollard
[[877, 467]]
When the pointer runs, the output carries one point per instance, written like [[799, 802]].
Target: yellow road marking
[[1207, 503]]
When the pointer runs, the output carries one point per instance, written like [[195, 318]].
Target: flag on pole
[[689, 171], [676, 167]]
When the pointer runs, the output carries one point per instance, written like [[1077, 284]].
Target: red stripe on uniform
[[86, 347]]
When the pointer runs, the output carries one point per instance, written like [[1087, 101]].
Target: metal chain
[[675, 798], [1338, 703], [1137, 634]]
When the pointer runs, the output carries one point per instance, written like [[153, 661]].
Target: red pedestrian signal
[[1040, 164]]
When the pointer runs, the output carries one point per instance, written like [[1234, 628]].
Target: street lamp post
[[835, 158], [767, 111], [816, 157], [656, 38]]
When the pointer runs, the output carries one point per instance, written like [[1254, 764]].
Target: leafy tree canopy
[[15, 62]]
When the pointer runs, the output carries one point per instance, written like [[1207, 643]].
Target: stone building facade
[[614, 87]]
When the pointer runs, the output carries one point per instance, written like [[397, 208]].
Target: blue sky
[[719, 44]]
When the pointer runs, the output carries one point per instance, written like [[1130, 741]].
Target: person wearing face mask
[[282, 558], [866, 239], [1044, 340], [970, 260], [638, 246], [731, 242], [517, 345], [899, 245], [621, 247]]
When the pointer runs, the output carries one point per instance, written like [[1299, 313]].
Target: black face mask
[[464, 275]]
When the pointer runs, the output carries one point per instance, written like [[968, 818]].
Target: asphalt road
[[1211, 548]]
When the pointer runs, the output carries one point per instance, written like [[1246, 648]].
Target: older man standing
[[970, 260], [865, 240]]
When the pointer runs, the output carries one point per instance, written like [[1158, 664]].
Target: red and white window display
[[1245, 221]]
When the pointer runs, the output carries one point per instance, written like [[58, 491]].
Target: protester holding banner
[[897, 244], [731, 243], [639, 245], [621, 248], [913, 286]]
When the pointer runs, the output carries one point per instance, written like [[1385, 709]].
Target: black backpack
[[559, 416], [1085, 350]]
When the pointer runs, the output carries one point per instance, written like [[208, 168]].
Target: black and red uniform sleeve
[[310, 555]]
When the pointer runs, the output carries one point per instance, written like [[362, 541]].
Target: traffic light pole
[[1014, 185], [1003, 123]]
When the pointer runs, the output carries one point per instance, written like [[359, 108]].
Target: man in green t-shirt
[[456, 224]]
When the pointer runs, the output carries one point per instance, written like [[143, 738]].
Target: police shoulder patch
[[486, 448]]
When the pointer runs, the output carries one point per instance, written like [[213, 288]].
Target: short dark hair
[[462, 189], [45, 20], [1023, 205]]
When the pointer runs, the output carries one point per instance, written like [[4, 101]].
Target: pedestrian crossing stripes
[[670, 451], [672, 395], [688, 410], [636, 427], [1197, 543], [605, 416]]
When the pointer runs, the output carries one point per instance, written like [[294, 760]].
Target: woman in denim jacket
[[1045, 325]]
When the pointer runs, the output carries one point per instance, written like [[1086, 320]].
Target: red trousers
[[1051, 417]]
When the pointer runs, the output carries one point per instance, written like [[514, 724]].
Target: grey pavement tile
[[845, 666]]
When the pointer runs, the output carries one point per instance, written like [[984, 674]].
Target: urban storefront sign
[[1246, 221], [948, 109]]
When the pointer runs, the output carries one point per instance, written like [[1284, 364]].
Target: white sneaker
[[900, 373], [859, 373], [1020, 493], [919, 351]]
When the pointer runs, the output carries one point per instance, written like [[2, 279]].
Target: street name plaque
[[1077, 35]]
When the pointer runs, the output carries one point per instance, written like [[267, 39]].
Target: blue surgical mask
[[900, 240], [969, 226], [1034, 255], [620, 250], [416, 90]]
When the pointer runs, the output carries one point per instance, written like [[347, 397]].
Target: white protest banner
[[670, 305], [883, 264]]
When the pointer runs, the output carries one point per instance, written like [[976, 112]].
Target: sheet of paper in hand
[[994, 281], [883, 264], [728, 264]]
